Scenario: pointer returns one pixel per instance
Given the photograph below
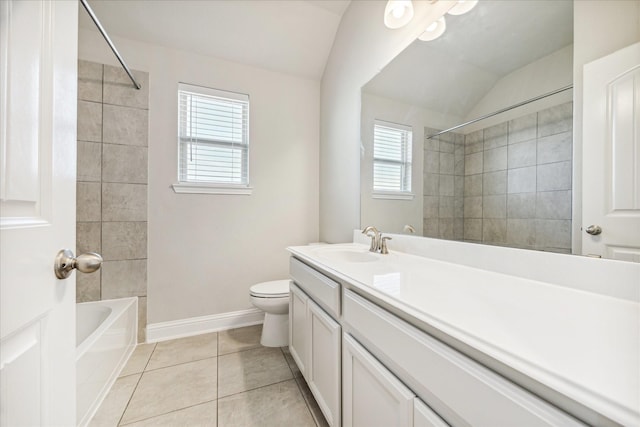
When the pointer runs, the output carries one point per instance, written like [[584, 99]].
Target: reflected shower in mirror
[[504, 180]]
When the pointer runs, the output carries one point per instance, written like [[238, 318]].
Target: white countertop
[[584, 345]]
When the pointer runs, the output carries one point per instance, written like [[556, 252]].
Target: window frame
[[203, 187], [407, 160]]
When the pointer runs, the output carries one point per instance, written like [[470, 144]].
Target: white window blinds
[[391, 157], [213, 136]]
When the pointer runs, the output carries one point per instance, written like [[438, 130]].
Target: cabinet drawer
[[320, 288], [459, 389]]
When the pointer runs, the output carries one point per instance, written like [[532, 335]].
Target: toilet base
[[275, 330]]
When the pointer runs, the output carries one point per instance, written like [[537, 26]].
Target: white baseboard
[[199, 325]]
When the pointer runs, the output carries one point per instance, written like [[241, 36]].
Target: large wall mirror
[[504, 180]]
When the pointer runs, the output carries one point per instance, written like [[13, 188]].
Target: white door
[[611, 177], [38, 84]]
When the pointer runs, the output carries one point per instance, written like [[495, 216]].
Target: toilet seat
[[273, 289]]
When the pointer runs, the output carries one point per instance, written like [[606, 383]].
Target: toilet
[[273, 298]]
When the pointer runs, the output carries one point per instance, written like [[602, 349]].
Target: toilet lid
[[274, 289]]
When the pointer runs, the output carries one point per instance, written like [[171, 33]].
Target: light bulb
[[398, 13], [434, 30]]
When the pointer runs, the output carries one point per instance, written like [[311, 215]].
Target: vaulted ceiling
[[290, 36]]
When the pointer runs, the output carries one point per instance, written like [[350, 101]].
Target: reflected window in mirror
[[392, 145]]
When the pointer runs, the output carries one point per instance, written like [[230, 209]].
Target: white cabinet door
[[298, 328], [423, 416], [38, 87], [323, 369], [611, 147], [373, 396]]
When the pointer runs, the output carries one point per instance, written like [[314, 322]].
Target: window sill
[[392, 195], [193, 188]]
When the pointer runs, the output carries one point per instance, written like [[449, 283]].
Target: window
[[213, 139], [391, 158]]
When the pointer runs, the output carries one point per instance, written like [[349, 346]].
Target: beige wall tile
[[89, 161], [494, 183], [521, 180], [119, 90], [553, 205], [473, 185], [555, 148], [494, 206], [124, 240], [446, 187], [522, 154], [168, 389], [473, 207], [445, 207], [89, 121], [447, 163], [555, 120], [473, 163], [495, 159], [473, 142], [495, 136], [554, 176], [88, 237], [89, 81], [553, 233], [445, 228], [521, 206], [124, 163], [431, 186], [430, 227], [473, 229], [521, 232], [124, 202], [125, 126], [523, 128], [124, 279], [431, 161], [494, 230], [88, 201], [430, 207], [88, 286]]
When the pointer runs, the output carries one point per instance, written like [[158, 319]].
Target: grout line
[[173, 410], [256, 388], [136, 387], [296, 379]]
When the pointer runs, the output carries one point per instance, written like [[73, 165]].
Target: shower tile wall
[[443, 186], [516, 183], [112, 183]]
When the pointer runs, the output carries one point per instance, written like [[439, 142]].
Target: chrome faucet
[[375, 237]]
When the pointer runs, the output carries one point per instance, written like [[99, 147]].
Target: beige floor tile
[[251, 369], [176, 387], [275, 405], [313, 406], [114, 404], [138, 359], [182, 350], [291, 362], [239, 339], [204, 415]]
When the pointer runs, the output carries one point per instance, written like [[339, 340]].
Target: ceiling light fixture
[[398, 13], [435, 30], [462, 7]]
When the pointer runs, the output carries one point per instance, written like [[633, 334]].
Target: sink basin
[[348, 255]]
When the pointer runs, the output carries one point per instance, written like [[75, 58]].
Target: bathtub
[[106, 335]]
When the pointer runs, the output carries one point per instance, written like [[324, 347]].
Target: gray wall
[[112, 184]]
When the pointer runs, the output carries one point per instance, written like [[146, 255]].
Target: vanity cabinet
[[373, 396], [315, 336]]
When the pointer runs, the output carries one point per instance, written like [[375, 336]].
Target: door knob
[[594, 230], [66, 261]]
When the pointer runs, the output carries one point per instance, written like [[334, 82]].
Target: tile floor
[[219, 379]]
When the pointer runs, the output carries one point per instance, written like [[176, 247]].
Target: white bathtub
[[106, 335]]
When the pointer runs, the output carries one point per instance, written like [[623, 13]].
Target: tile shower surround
[[217, 379], [112, 183], [511, 182]]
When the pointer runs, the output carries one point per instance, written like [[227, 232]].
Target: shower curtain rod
[[495, 113], [109, 42]]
